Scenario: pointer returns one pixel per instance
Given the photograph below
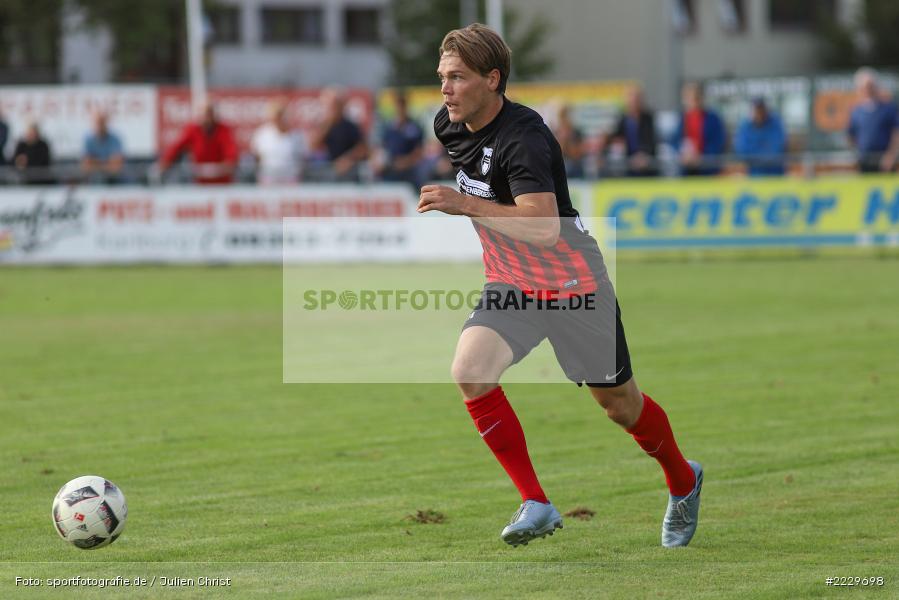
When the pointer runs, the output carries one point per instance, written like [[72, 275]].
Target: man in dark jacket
[[32, 157], [4, 137], [635, 136]]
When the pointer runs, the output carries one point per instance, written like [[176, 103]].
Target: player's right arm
[[534, 218]]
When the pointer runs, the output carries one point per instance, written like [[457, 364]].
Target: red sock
[[499, 427], [653, 432]]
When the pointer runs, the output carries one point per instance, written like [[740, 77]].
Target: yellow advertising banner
[[710, 212]]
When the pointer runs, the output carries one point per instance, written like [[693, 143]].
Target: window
[[361, 26], [293, 26], [799, 14], [224, 23], [732, 15], [683, 17]]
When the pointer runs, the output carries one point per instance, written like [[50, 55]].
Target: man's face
[[332, 104], [207, 116], [635, 101], [100, 124], [691, 97], [402, 109], [866, 87], [759, 114], [465, 91]]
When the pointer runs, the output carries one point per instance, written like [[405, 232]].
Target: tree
[[868, 39], [29, 40], [419, 27], [148, 37]]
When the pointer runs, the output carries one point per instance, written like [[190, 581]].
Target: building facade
[[263, 43], [310, 43], [663, 42]]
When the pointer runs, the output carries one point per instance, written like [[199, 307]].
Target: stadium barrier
[[240, 224]]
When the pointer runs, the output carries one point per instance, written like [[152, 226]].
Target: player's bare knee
[[617, 411], [472, 378], [622, 406]]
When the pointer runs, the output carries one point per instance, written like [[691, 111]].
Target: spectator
[[278, 149], [873, 124], [761, 141], [103, 158], [634, 137], [571, 140], [211, 146], [700, 138], [436, 165], [32, 156], [4, 137], [337, 144], [402, 143]]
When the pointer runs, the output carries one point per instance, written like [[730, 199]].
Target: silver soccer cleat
[[532, 520], [682, 515]]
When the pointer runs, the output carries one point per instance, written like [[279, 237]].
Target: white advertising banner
[[64, 115], [228, 224]]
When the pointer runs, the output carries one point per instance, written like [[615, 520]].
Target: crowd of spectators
[[336, 149]]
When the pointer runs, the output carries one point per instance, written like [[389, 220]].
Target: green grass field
[[779, 375]]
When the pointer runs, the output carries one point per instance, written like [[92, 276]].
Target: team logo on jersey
[[473, 187], [485, 160]]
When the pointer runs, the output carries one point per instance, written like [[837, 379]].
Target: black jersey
[[515, 154]]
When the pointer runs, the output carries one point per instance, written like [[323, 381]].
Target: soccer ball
[[89, 512]]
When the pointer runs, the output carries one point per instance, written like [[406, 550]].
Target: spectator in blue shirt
[[103, 159], [761, 141], [873, 125], [402, 142]]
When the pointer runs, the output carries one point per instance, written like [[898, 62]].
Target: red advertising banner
[[246, 109]]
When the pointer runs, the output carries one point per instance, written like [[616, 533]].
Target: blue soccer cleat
[[682, 515]]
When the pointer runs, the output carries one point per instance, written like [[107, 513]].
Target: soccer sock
[[653, 432], [499, 427]]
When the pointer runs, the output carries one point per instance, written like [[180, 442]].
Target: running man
[[513, 186]]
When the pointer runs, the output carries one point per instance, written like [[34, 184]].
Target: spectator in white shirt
[[279, 150]]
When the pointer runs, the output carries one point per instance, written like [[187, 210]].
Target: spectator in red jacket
[[211, 146]]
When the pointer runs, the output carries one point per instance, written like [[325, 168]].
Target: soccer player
[[512, 184]]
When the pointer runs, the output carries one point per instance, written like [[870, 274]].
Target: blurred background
[[780, 104]]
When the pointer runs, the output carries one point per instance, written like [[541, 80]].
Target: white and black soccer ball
[[89, 512]]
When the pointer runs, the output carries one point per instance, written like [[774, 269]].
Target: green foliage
[[29, 38], [148, 36], [419, 27], [869, 39]]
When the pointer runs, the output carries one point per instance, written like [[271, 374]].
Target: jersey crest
[[486, 159]]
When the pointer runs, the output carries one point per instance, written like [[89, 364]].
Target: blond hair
[[481, 49]]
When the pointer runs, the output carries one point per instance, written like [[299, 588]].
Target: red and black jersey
[[517, 154]]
